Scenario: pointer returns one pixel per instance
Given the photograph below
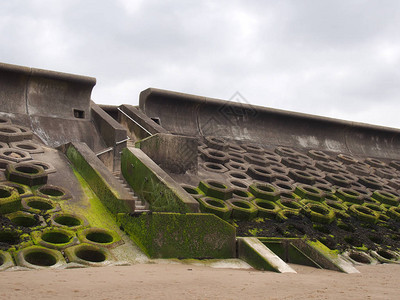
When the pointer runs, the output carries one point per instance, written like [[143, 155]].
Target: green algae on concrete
[[154, 185], [85, 162], [173, 235], [260, 257]]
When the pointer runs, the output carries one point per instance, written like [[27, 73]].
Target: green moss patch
[[156, 187], [172, 235]]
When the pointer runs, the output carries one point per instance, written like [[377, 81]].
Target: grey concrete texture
[[200, 116], [175, 153]]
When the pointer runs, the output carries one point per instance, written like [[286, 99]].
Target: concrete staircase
[[140, 205]]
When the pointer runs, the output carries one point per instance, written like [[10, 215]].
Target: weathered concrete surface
[[153, 184], [256, 254], [174, 153], [55, 105], [138, 124], [107, 188], [200, 116], [326, 258], [172, 235], [113, 133]]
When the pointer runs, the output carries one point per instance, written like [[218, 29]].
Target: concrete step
[[140, 206]]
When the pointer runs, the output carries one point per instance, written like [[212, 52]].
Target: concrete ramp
[[260, 257]]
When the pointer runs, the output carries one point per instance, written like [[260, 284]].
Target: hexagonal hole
[[27, 169]]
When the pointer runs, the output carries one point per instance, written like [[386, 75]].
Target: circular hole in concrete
[[24, 221], [190, 190], [290, 204], [215, 203], [9, 237], [334, 205], [27, 170], [319, 210], [4, 193], [237, 160], [266, 205], [217, 184], [55, 237], [8, 130], [238, 184], [27, 147], [284, 186], [91, 255], [1, 260], [359, 257], [265, 188], [237, 175], [239, 193], [100, 237], [241, 204], [386, 254], [39, 258], [51, 191], [13, 154], [68, 221], [216, 154], [42, 205]]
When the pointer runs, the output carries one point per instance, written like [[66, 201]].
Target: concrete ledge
[[172, 235], [174, 153], [154, 185], [260, 257], [192, 115], [110, 192]]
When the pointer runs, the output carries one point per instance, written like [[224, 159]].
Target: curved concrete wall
[[56, 106], [39, 92], [200, 116]]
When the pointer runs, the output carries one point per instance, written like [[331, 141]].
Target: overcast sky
[[333, 58]]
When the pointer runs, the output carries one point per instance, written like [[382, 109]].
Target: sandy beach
[[180, 281]]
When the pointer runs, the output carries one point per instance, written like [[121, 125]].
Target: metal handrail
[[126, 115]]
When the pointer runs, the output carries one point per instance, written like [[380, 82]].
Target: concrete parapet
[[44, 93], [200, 116], [174, 153]]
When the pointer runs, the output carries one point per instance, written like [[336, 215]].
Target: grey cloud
[[334, 58]]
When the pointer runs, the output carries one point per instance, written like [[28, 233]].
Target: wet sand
[[179, 281]]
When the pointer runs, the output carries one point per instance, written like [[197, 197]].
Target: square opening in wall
[[80, 114]]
